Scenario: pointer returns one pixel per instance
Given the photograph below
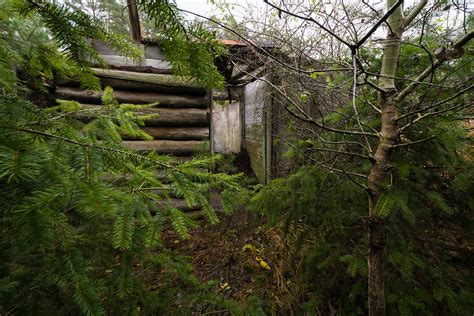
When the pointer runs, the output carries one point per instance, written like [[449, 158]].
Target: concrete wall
[[226, 127]]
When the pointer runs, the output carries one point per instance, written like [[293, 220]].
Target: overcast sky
[[197, 6]]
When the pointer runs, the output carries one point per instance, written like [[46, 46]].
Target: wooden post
[[134, 20]]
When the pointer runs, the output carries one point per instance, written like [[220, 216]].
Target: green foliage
[[81, 215], [190, 47], [27, 28], [110, 12], [73, 236], [427, 208]]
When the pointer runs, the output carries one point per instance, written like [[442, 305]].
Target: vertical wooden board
[[255, 96], [226, 126]]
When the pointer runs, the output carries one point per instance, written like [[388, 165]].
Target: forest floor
[[242, 253], [244, 256]]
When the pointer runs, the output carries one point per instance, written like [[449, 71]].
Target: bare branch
[[438, 103], [346, 173], [342, 152], [434, 113], [304, 116], [413, 143], [310, 19], [408, 79], [262, 50], [377, 24], [354, 106], [413, 14], [405, 92]]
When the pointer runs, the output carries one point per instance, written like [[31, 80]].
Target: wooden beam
[[174, 133], [129, 80], [134, 20], [224, 95], [165, 100], [180, 117], [173, 147]]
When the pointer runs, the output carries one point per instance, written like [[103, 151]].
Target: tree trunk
[[383, 159]]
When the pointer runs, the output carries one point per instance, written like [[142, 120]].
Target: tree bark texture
[[383, 159]]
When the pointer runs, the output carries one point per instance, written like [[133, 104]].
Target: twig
[[262, 50], [354, 106], [405, 92], [377, 24], [71, 141], [304, 116], [433, 113], [413, 14], [414, 142], [438, 103], [310, 19]]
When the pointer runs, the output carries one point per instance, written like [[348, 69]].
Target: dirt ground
[[244, 256]]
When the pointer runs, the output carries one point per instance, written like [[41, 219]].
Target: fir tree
[[80, 214]]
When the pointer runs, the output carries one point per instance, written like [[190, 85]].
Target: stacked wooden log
[[180, 108]]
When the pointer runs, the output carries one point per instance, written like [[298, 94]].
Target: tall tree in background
[[112, 13]]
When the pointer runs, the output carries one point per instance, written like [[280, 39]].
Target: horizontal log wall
[[179, 107], [160, 116], [133, 97]]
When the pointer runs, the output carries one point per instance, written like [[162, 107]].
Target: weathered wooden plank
[[174, 133], [157, 63], [117, 60], [176, 117], [174, 147], [122, 61], [152, 67], [162, 117], [166, 100], [129, 80], [119, 84], [104, 49], [224, 95], [154, 52]]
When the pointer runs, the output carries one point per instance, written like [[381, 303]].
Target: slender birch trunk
[[383, 159]]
